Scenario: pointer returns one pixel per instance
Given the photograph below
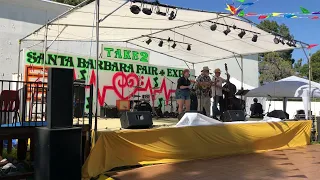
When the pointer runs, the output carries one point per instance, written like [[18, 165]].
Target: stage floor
[[290, 164], [112, 124]]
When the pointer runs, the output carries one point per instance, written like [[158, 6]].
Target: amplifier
[[136, 120]]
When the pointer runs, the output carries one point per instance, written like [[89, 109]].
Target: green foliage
[[275, 65], [315, 67], [70, 2]]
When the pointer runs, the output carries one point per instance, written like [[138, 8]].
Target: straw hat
[[217, 70], [205, 68]]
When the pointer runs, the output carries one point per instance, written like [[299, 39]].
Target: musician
[[183, 91], [217, 82], [256, 109], [204, 90]]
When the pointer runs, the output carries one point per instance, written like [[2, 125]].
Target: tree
[[70, 2], [315, 67], [275, 65]]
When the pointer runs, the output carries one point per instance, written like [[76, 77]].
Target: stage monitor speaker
[[136, 120], [278, 114], [58, 153], [233, 115], [60, 98]]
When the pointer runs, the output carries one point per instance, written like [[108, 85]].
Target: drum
[[144, 106]]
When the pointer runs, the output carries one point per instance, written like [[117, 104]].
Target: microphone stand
[[269, 104], [171, 104]]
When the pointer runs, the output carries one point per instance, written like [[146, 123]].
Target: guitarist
[[217, 88]]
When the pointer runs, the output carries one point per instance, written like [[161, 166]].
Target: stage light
[[172, 15], [234, 27], [189, 47], [213, 27], [147, 11], [174, 45], [227, 31], [254, 38], [276, 40], [294, 43], [160, 43], [282, 41], [161, 13], [148, 41], [241, 34], [135, 9], [289, 43], [169, 39]]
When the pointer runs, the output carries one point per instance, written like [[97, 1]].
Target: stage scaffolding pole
[[309, 70], [97, 70], [45, 51], [241, 73]]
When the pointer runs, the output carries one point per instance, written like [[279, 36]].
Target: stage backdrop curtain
[[167, 145]]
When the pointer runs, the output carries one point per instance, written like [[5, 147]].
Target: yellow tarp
[[132, 147]]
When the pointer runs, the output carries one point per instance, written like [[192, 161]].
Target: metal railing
[[24, 104]]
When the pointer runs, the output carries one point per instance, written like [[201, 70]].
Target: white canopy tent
[[290, 87], [196, 42]]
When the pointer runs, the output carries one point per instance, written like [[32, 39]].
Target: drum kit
[[143, 103]]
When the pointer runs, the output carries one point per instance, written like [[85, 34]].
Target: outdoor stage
[[170, 144]]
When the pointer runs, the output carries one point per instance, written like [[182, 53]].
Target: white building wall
[[17, 19]]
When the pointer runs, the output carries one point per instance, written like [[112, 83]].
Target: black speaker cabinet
[[60, 98], [136, 120], [58, 153], [233, 115]]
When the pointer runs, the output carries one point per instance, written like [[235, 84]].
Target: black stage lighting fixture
[[174, 45], [135, 9], [213, 27], [148, 41], [160, 13], [147, 11], [234, 27], [276, 40], [254, 38], [282, 41], [289, 43], [160, 43], [293, 43], [241, 34], [227, 31], [189, 47], [172, 15]]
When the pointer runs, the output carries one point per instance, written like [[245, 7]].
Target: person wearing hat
[[217, 82], [204, 90]]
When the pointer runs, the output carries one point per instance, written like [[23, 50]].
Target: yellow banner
[[167, 145]]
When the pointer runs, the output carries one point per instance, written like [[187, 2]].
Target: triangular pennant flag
[[241, 13], [289, 15], [262, 17], [248, 4], [304, 10], [312, 46], [276, 14], [238, 11], [314, 17], [251, 14]]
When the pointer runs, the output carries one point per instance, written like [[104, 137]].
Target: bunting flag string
[[240, 11]]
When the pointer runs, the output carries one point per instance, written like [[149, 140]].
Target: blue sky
[[305, 30]]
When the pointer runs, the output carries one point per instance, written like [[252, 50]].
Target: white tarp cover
[[288, 87], [190, 27], [197, 119]]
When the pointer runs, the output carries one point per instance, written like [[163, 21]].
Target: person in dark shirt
[[256, 109], [183, 91]]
